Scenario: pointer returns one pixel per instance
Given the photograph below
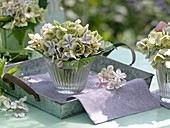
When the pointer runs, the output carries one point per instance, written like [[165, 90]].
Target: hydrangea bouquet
[[17, 18], [19, 13], [69, 49], [157, 45], [69, 44]]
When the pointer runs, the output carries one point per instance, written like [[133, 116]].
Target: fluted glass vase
[[163, 78], [68, 80]]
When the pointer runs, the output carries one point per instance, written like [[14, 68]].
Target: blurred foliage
[[119, 20]]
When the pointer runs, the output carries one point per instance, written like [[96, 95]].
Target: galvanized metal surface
[[62, 110]]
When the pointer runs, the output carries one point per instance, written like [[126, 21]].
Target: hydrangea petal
[[161, 26]]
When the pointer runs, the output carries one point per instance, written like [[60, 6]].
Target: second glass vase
[[163, 78]]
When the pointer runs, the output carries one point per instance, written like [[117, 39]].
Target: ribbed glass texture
[[163, 78], [68, 80]]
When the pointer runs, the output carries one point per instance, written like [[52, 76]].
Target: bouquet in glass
[[157, 45], [17, 18], [69, 49], [19, 13], [157, 50]]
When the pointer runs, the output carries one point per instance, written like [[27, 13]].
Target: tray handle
[[10, 79], [123, 44]]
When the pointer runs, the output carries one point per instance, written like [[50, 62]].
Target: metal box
[[62, 110]]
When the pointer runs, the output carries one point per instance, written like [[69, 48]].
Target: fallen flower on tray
[[111, 79]]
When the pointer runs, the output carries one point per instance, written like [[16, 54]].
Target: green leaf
[[31, 26], [108, 46], [43, 3], [2, 90], [20, 35], [13, 70], [5, 18], [77, 64], [2, 66]]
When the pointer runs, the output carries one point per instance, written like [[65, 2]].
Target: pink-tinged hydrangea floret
[[110, 79], [46, 28], [101, 84], [119, 74]]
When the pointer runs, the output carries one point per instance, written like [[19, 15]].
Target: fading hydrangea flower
[[70, 54], [85, 39], [158, 57], [51, 47], [78, 21], [22, 12], [46, 28], [119, 75], [12, 105], [104, 75], [165, 41], [160, 26], [110, 79], [164, 51], [4, 101], [101, 83], [35, 37], [107, 74], [96, 48], [114, 84], [78, 49], [154, 38], [96, 36], [10, 10], [156, 46], [142, 45], [88, 50], [69, 41], [18, 107], [168, 30], [82, 30], [62, 29], [59, 62], [19, 115]]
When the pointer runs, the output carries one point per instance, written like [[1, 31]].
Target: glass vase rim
[[63, 67]]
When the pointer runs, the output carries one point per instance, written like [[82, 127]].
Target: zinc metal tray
[[71, 107]]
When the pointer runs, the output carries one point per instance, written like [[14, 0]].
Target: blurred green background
[[119, 20]]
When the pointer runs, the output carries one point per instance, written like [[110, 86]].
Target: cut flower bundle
[[157, 45], [19, 13], [68, 44]]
